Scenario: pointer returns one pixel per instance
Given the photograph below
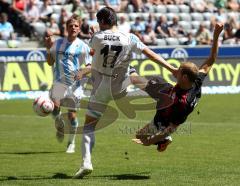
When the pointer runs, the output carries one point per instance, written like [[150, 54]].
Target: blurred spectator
[[45, 11], [232, 5], [151, 21], [220, 15], [123, 25], [191, 40], [114, 4], [137, 4], [91, 5], [213, 21], [53, 27], [85, 30], [228, 35], [237, 36], [149, 37], [162, 28], [19, 5], [138, 25], [78, 8], [31, 13], [220, 4], [175, 29], [62, 22], [92, 21], [198, 5], [203, 35], [6, 28]]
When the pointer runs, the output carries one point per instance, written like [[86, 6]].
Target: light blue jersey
[[69, 58]]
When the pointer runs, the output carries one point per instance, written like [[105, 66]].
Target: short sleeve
[[136, 44], [88, 57], [195, 92]]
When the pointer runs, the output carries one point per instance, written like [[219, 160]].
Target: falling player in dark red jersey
[[185, 95]]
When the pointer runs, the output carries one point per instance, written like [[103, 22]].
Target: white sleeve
[[136, 45], [87, 58]]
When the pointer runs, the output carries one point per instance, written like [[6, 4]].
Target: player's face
[[73, 28]]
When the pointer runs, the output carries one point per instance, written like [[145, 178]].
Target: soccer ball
[[43, 106]]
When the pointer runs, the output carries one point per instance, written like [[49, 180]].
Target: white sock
[[88, 141], [73, 130]]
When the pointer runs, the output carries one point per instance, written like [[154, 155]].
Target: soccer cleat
[[83, 171], [70, 148], [59, 124], [162, 145]]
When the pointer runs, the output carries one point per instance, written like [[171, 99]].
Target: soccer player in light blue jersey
[[67, 55]]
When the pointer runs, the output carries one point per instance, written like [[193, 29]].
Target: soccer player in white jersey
[[112, 52], [67, 55]]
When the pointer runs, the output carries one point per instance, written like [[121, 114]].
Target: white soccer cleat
[[59, 124], [70, 148], [83, 171]]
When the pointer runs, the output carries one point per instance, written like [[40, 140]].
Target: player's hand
[[79, 75], [142, 141], [218, 29], [48, 39]]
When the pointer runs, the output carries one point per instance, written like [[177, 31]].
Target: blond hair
[[74, 18], [190, 69]]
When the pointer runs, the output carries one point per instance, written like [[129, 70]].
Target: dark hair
[[107, 16]]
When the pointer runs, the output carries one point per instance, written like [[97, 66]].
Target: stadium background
[[205, 150]]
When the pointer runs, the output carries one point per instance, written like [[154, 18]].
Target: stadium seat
[[207, 16], [207, 24], [172, 9], [161, 42], [55, 17], [182, 40], [184, 8], [57, 9], [185, 17], [197, 16], [170, 16], [145, 16], [3, 44], [194, 31], [40, 28], [195, 24], [132, 16], [172, 41], [160, 9], [186, 25]]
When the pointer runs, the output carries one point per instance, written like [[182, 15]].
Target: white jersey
[[113, 51], [68, 59]]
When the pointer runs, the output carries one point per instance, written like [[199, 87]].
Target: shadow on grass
[[136, 176], [30, 153], [55, 176]]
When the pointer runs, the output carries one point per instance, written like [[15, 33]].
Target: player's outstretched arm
[[207, 65], [158, 59], [49, 43]]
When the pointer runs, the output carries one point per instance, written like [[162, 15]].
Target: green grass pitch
[[205, 150]]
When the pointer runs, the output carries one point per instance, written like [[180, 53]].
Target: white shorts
[[66, 96], [104, 90]]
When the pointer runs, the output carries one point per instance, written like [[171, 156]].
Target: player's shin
[[88, 141]]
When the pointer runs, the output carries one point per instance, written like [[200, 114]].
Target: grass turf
[[205, 150]]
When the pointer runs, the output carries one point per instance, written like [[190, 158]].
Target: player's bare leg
[[59, 122], [88, 140], [72, 116], [147, 131]]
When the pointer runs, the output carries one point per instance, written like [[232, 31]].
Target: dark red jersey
[[183, 101]]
